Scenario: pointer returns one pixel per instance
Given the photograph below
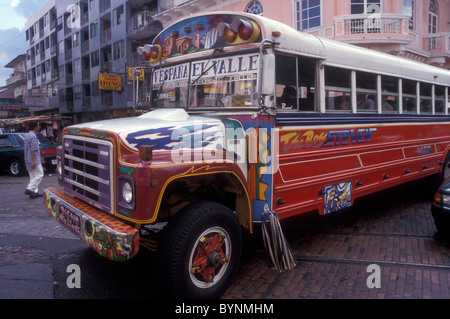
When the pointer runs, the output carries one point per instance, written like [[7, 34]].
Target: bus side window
[[286, 82], [439, 99], [389, 94], [425, 98], [307, 71], [409, 93], [366, 92], [338, 89]]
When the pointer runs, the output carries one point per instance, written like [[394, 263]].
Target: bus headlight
[[126, 195], [127, 192]]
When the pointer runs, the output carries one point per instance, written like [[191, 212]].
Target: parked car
[[440, 209], [12, 153]]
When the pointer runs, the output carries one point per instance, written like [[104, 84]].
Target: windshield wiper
[[206, 70]]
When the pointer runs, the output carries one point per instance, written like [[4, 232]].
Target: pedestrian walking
[[33, 161]]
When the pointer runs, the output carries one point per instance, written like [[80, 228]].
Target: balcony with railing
[[437, 42], [365, 28], [16, 78], [142, 25]]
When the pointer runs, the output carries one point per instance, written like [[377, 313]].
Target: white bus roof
[[340, 54]]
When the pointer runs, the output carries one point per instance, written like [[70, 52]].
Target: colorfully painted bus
[[250, 120]]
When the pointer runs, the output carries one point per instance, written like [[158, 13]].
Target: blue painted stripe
[[291, 119]]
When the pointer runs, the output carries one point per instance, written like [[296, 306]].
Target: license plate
[[70, 219], [338, 197], [54, 161]]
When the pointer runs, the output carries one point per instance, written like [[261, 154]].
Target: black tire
[[49, 168], [16, 168], [202, 231]]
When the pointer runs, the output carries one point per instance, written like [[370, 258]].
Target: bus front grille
[[88, 170]]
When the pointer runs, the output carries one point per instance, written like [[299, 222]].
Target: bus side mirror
[[267, 75]]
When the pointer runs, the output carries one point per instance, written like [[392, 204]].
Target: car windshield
[[215, 83]]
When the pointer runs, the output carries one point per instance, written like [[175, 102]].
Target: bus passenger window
[[288, 99], [409, 96], [439, 101], [338, 89], [307, 70], [286, 81], [389, 94], [366, 92], [425, 98]]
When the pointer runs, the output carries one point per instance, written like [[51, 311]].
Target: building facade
[[42, 60], [80, 54], [14, 96]]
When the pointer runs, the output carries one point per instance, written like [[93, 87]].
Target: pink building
[[415, 29]]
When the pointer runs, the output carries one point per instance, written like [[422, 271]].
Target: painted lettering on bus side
[[296, 141], [346, 137], [335, 138]]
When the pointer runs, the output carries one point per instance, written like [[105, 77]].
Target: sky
[[13, 15]]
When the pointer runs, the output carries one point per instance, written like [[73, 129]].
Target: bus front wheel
[[200, 251]]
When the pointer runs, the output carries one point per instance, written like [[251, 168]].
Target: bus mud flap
[[278, 251]]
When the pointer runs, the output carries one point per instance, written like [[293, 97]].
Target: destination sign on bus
[[228, 66]]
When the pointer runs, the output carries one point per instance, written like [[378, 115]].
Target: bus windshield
[[220, 82]]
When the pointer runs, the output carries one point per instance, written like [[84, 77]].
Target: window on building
[[433, 17], [432, 25], [119, 49], [307, 14], [76, 39], [365, 6], [104, 5], [94, 29], [408, 10], [61, 47], [95, 60], [77, 92], [94, 88], [61, 71], [370, 24], [46, 19], [118, 15], [59, 24], [255, 7], [77, 66]]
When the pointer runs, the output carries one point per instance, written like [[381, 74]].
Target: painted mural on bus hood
[[163, 129], [206, 33]]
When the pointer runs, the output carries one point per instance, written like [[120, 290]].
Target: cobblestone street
[[393, 229]]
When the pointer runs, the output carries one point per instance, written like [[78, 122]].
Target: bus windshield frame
[[221, 82]]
